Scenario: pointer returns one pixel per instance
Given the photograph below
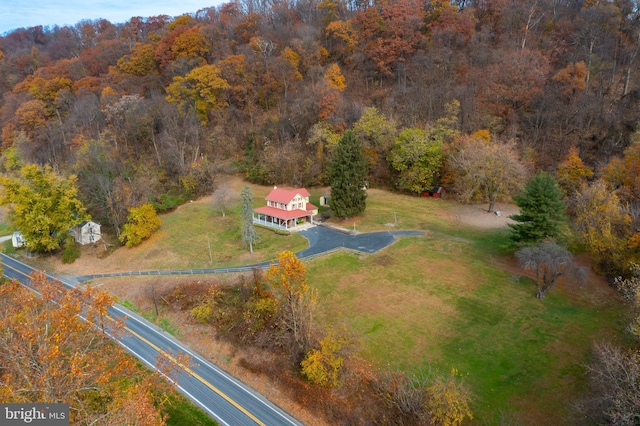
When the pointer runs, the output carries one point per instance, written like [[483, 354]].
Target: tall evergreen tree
[[542, 211], [347, 175], [249, 235]]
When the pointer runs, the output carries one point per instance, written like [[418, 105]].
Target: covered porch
[[287, 220]]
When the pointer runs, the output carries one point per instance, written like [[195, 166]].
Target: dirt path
[[477, 215]]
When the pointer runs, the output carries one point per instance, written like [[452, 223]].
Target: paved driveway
[[323, 240]]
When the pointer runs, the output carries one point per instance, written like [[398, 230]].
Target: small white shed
[[87, 232]]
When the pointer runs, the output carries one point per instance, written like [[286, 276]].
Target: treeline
[[154, 109]]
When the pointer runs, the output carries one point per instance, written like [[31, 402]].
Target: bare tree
[[220, 197], [615, 384], [486, 171], [629, 289], [550, 261]]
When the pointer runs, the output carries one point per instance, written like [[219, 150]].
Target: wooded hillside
[[153, 109]]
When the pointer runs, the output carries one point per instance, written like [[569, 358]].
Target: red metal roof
[[282, 214], [310, 207], [286, 195]]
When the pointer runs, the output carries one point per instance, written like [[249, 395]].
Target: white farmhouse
[[87, 232]]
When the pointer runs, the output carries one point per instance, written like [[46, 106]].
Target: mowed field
[[456, 299], [453, 299]]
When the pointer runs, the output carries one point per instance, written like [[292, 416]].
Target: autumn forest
[[475, 96]]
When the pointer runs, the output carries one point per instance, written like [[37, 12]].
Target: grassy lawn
[[196, 237], [450, 299], [437, 302], [6, 229]]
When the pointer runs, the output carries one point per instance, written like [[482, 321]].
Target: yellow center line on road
[[194, 374], [178, 363]]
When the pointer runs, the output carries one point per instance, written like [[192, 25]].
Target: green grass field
[[196, 237], [435, 302], [450, 299]]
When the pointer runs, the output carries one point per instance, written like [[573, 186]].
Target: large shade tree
[[347, 176], [484, 170], [417, 158], [43, 206]]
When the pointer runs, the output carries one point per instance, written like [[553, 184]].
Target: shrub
[[202, 313], [71, 253], [259, 312], [167, 202], [322, 367], [448, 404]]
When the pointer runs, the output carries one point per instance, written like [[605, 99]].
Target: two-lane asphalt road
[[225, 398]]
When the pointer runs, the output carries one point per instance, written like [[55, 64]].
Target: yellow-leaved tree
[[199, 91], [299, 300], [140, 61], [141, 223], [322, 366], [335, 78], [601, 223], [572, 173], [43, 205]]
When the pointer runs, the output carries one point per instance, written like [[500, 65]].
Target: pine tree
[[542, 211], [347, 176], [249, 235]]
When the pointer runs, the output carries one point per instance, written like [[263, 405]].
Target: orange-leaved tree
[[572, 173], [335, 78], [50, 354]]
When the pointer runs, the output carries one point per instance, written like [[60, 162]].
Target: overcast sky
[[28, 13]]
